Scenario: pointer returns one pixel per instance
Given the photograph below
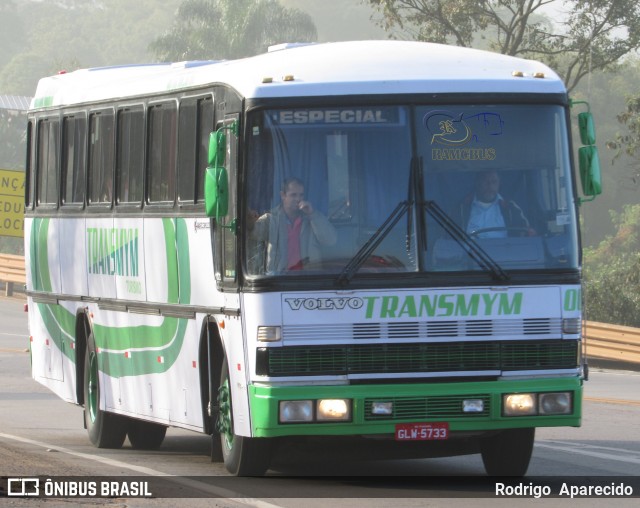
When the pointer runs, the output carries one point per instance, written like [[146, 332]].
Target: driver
[[486, 214]]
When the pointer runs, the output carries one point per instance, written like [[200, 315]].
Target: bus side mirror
[[590, 177], [216, 192], [217, 148], [586, 128], [216, 181], [588, 158]]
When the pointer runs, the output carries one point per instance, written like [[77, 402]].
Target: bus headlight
[[555, 403], [308, 411], [537, 404], [334, 410], [296, 411], [519, 404]]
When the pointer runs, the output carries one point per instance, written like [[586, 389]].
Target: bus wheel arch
[[83, 331], [211, 354]]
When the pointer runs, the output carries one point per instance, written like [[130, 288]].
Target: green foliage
[[226, 29], [595, 35], [612, 273], [41, 38], [628, 142]]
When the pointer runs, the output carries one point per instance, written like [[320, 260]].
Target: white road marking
[[618, 454], [213, 490]]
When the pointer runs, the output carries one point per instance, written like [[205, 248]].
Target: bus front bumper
[[378, 409]]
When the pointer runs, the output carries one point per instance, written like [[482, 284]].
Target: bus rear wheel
[[508, 452], [145, 435], [106, 430], [243, 456]]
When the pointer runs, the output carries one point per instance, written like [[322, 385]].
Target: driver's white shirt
[[487, 215]]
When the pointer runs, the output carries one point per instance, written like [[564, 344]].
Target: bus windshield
[[351, 191]]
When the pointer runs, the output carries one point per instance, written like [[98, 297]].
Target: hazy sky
[[339, 20]]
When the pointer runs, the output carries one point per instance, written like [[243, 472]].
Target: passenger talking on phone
[[293, 232]]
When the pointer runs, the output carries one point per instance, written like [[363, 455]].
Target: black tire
[[242, 456], [145, 435], [508, 452], [106, 430]]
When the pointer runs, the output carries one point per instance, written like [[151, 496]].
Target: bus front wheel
[[243, 456], [508, 452], [106, 430]]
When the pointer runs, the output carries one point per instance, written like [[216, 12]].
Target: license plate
[[422, 431]]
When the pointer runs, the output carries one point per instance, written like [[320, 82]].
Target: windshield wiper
[[367, 249], [477, 253]]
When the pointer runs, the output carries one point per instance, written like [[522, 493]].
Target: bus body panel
[[145, 358]]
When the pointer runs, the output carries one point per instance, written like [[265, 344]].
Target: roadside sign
[[11, 203]]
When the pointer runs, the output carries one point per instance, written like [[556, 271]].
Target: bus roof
[[340, 68]]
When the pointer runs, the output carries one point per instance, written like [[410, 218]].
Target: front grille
[[416, 358], [441, 407], [475, 328], [557, 354]]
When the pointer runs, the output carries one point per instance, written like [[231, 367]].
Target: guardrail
[[612, 342], [12, 271]]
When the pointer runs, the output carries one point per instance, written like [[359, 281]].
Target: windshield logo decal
[[455, 135]]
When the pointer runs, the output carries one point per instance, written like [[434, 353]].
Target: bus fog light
[[334, 410], [296, 411], [473, 406], [555, 403], [382, 408], [519, 404], [269, 334]]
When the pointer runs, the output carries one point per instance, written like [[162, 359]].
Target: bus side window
[[205, 126], [195, 126], [162, 154], [31, 165], [48, 161], [187, 155], [74, 137], [130, 157], [101, 156]]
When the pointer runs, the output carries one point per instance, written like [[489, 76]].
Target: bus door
[[225, 238]]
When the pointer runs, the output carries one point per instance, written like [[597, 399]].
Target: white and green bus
[[154, 201]]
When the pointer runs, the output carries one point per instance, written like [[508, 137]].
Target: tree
[[218, 29], [629, 142], [612, 272], [591, 35]]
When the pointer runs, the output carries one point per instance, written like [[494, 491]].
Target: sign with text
[[11, 203]]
